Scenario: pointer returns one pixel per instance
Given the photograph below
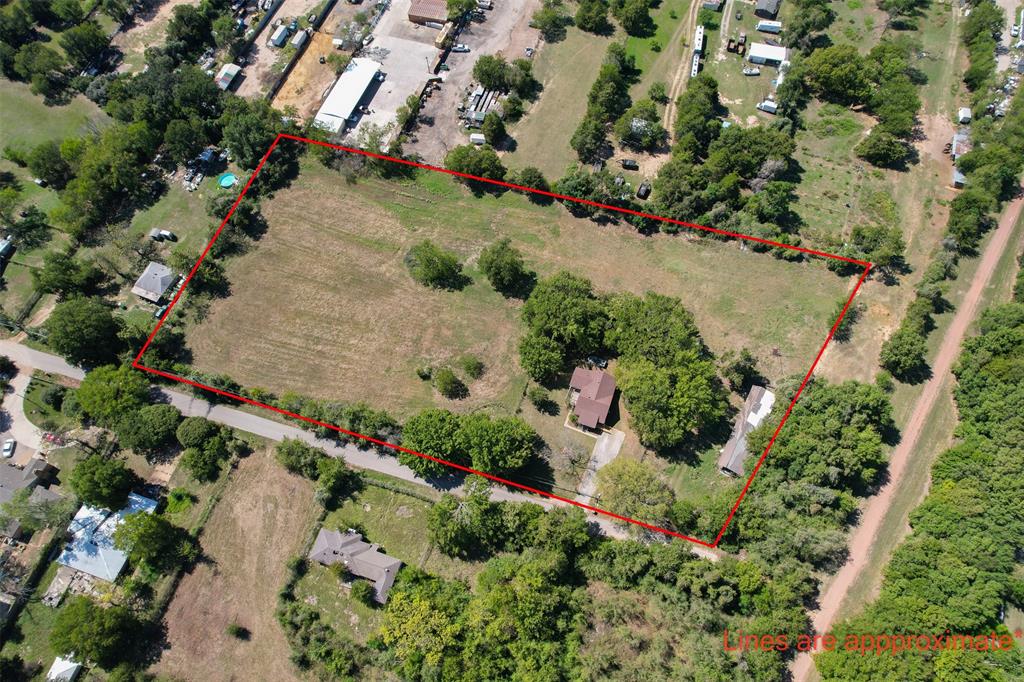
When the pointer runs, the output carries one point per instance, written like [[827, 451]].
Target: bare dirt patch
[[148, 30], [262, 520], [309, 80]]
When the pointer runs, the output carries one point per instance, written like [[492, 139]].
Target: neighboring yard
[[263, 519], [27, 122], [566, 69], [324, 304], [149, 28]]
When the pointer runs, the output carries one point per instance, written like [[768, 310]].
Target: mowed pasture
[[262, 520], [325, 306]]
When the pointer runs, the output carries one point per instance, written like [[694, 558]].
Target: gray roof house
[[767, 9], [14, 479], [91, 549], [360, 558], [153, 282], [757, 406]]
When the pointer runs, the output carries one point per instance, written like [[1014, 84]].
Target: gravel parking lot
[[505, 31]]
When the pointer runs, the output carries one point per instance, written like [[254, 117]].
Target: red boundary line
[[137, 362]]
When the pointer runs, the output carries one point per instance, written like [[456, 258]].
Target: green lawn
[[322, 588], [30, 636], [398, 523], [38, 412], [567, 69], [29, 121], [660, 64]]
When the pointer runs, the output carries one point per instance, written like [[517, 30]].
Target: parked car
[[629, 164], [459, 47], [1015, 30], [159, 312], [739, 16], [8, 451], [644, 191], [168, 235]]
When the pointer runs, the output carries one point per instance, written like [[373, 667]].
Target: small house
[[768, 26], [756, 407], [477, 138], [34, 476], [767, 9], [226, 76], [763, 53], [91, 549], [963, 115], [280, 36], [359, 557], [154, 281], [64, 670], [428, 11], [591, 393], [961, 144], [713, 5]]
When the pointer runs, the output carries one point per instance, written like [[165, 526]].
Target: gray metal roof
[[757, 406]]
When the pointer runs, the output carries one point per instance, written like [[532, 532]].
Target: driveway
[[14, 421], [605, 450]]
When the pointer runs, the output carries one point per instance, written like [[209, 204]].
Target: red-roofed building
[[591, 393]]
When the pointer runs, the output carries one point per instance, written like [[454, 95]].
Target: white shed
[[477, 138], [279, 36], [63, 670], [763, 53], [299, 38]]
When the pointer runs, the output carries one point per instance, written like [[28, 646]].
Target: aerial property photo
[[511, 340]]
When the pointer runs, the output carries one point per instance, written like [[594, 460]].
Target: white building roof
[[346, 94], [91, 549], [769, 53], [153, 281], [63, 670]]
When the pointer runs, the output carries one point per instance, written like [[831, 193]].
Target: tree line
[[959, 568]]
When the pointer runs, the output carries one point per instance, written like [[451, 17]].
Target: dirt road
[[682, 75], [875, 510]]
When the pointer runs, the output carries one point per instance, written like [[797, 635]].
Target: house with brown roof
[[428, 11], [591, 394], [360, 558], [757, 406]]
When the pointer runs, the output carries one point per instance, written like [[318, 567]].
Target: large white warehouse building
[[346, 94]]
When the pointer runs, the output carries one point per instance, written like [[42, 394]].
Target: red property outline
[[137, 362]]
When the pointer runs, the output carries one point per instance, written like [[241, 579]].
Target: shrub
[[434, 267], [449, 385], [362, 592], [472, 366], [237, 631], [178, 500], [194, 431]]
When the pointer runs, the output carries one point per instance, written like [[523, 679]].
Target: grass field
[[324, 304], [30, 636], [27, 122], [567, 70], [398, 523], [542, 137], [263, 519]]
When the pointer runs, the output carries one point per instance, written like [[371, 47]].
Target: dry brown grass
[[324, 305], [262, 520]]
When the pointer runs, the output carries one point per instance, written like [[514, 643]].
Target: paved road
[[877, 507], [273, 430]]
